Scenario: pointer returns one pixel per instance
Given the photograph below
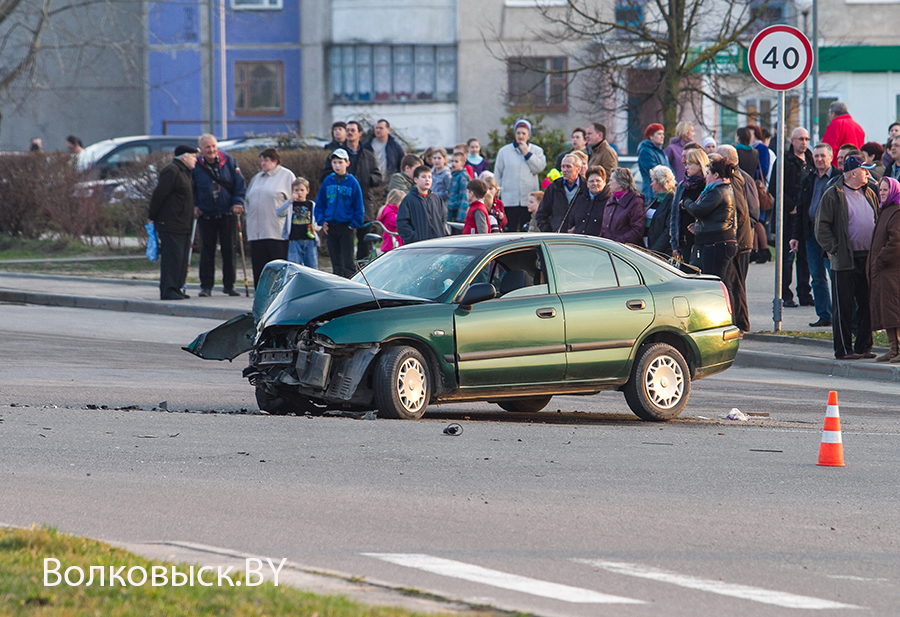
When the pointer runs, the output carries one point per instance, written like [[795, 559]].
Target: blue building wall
[[177, 100]]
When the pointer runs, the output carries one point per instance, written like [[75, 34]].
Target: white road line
[[503, 580], [745, 592]]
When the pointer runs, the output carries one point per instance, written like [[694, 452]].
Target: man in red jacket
[[842, 129]]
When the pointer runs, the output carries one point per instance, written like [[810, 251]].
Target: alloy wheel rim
[[665, 382], [411, 385]]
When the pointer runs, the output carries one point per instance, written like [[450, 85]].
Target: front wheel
[[660, 383], [531, 404], [401, 384], [272, 403]]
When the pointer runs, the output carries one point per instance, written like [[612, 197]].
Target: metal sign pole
[[777, 305]]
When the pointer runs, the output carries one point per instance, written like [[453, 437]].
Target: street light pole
[[807, 120], [223, 79], [814, 133], [812, 111]]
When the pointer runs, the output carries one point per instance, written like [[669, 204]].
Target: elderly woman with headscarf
[[623, 216], [659, 211], [883, 269]]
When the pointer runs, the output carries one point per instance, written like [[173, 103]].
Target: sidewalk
[[757, 349]]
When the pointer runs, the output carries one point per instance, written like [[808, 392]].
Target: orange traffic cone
[[831, 451]]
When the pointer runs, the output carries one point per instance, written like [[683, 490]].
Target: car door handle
[[546, 313], [636, 305]]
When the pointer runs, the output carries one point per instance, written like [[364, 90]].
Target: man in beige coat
[[603, 154]]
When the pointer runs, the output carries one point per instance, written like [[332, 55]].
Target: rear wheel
[[401, 383], [531, 404], [660, 383]]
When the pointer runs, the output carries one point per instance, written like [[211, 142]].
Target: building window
[[256, 5], [393, 73], [630, 13], [775, 12], [538, 82], [259, 88]]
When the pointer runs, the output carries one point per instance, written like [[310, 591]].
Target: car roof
[[488, 241]]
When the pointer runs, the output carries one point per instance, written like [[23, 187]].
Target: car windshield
[[94, 153], [424, 273]]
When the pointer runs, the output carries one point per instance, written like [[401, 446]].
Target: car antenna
[[377, 303]]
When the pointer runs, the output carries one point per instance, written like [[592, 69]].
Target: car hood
[[292, 295]]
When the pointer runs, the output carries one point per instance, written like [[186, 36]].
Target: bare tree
[[43, 41], [669, 44]]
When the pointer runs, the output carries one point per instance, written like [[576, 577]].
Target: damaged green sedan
[[513, 319]]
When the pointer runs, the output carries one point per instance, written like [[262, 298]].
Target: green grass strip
[[22, 590]]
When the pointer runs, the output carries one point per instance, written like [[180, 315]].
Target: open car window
[[517, 273]]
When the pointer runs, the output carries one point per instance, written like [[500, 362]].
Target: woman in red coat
[[883, 269], [624, 215]]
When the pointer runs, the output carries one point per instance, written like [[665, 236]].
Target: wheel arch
[[677, 340], [431, 359]]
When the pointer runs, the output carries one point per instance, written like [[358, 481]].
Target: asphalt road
[[579, 512]]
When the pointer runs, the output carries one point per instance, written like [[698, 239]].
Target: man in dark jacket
[[172, 212], [798, 164], [804, 231], [559, 196], [422, 215], [845, 221], [387, 150], [218, 197]]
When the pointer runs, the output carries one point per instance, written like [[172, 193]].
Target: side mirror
[[478, 292]]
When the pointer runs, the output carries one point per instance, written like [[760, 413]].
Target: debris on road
[[164, 406], [735, 414], [453, 429]]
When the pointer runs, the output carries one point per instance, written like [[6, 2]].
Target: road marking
[[503, 580], [745, 592]]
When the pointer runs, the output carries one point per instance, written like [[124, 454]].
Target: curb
[[825, 367], [80, 279], [126, 306]]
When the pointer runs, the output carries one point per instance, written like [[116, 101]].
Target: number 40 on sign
[[780, 57]]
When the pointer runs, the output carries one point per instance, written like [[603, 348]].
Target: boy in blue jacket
[[339, 205]]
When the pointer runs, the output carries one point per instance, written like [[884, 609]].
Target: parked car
[[112, 158], [114, 168], [279, 142], [513, 319]]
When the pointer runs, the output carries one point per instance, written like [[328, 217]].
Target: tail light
[[727, 297]]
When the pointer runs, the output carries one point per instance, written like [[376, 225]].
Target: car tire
[[272, 403], [660, 383], [532, 404], [401, 384]]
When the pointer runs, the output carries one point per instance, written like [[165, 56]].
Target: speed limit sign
[[780, 57]]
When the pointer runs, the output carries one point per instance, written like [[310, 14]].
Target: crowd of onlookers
[[705, 204]]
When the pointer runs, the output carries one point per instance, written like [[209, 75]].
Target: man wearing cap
[[516, 169], [650, 154], [845, 221], [340, 206], [172, 212]]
